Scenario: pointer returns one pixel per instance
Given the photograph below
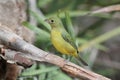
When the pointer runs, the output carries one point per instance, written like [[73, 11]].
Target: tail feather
[[82, 61]]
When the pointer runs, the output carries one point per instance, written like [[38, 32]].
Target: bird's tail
[[80, 59]]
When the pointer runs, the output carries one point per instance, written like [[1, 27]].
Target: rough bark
[[28, 50], [12, 13]]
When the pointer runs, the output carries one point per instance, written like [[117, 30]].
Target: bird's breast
[[60, 44], [58, 41]]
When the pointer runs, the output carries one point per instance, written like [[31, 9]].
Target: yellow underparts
[[61, 45]]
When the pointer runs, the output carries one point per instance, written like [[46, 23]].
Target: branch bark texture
[[13, 41]]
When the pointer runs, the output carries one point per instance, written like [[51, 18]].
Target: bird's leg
[[67, 57], [64, 56]]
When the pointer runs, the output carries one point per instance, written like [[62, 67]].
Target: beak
[[46, 20]]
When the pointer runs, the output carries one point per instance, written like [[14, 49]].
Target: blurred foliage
[[87, 38]]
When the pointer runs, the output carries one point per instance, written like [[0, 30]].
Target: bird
[[62, 40]]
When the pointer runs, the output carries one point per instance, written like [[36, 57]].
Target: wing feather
[[69, 39]]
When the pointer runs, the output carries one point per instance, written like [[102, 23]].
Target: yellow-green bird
[[61, 40]]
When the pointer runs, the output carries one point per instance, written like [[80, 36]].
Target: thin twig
[[107, 9]]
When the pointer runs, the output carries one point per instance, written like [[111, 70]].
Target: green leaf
[[43, 75], [41, 20], [69, 25], [41, 35], [83, 13], [100, 39], [40, 71], [58, 75], [82, 41]]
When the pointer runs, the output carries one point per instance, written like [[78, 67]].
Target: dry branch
[[13, 41], [107, 9], [13, 56]]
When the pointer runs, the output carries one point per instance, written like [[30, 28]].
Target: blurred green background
[[102, 29]]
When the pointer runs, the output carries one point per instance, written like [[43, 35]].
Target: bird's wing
[[69, 39]]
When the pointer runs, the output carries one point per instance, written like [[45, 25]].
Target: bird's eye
[[52, 21]]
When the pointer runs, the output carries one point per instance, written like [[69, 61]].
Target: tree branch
[[107, 9], [13, 41], [13, 56]]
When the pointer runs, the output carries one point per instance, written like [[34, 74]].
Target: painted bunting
[[61, 39]]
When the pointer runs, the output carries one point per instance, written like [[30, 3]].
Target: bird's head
[[54, 22]]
